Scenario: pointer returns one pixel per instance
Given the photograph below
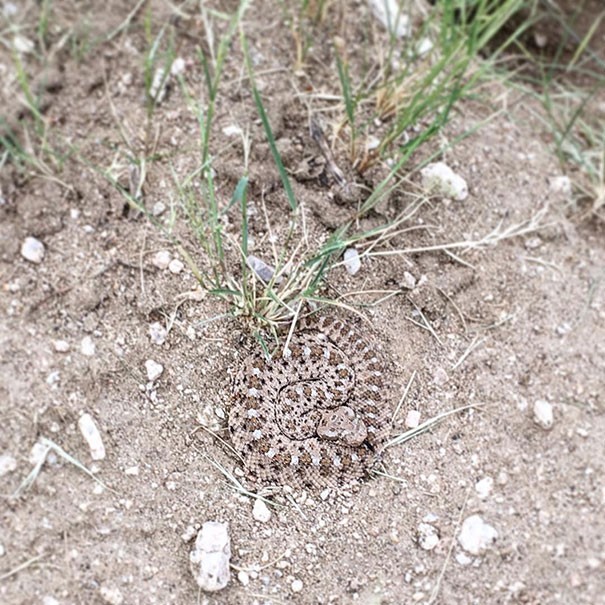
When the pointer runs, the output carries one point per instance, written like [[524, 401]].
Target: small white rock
[[543, 414], [157, 333], [210, 557], [296, 585], [412, 420], [392, 17], [428, 536], [158, 209], [132, 471], [476, 535], [38, 453], [439, 178], [409, 281], [264, 271], [484, 487], [161, 259], [8, 464], [33, 250], [87, 346], [91, 434], [261, 512], [178, 66], [352, 261], [154, 369], [48, 600], [23, 45], [111, 595], [61, 346], [230, 131], [561, 184], [176, 266], [2, 550], [243, 577]]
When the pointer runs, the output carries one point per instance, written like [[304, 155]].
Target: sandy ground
[[515, 323]]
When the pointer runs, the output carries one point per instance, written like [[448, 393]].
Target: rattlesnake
[[315, 414]]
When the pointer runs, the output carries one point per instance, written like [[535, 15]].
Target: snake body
[[315, 414]]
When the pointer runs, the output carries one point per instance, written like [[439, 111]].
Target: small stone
[[61, 346], [409, 281], [484, 487], [440, 377], [561, 184], [476, 535], [296, 585], [352, 261], [178, 66], [111, 595], [154, 369], [188, 534], [261, 512], [424, 46], [161, 259], [412, 420], [463, 558], [157, 333], [533, 243], [132, 471], [428, 536], [176, 266], [48, 600], [439, 178], [543, 414], [563, 329], [23, 45], [210, 557], [87, 346], [158, 209], [92, 436], [2, 550], [8, 464], [38, 453], [392, 18], [32, 250], [243, 577], [264, 271], [232, 130]]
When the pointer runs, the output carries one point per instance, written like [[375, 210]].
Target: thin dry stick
[[437, 588], [476, 342], [405, 394], [21, 567], [429, 327]]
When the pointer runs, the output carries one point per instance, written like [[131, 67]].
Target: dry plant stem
[[404, 396]]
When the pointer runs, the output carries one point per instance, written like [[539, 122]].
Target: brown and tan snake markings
[[316, 414]]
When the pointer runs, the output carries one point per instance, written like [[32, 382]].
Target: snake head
[[342, 424]]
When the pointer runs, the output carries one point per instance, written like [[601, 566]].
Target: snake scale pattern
[[315, 415]]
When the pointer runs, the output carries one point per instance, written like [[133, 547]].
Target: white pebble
[[61, 346], [392, 18], [484, 487], [161, 259], [178, 66], [38, 453], [409, 281], [296, 585], [264, 271], [428, 536], [412, 420], [439, 178], [48, 600], [261, 511], [87, 346], [91, 434], [8, 464], [154, 369], [157, 333], [243, 578], [2, 550], [476, 535], [111, 595], [176, 266], [132, 471], [210, 557], [352, 261], [158, 209], [230, 131], [32, 250], [561, 184], [543, 414]]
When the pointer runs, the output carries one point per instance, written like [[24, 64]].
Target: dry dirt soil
[[516, 322]]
